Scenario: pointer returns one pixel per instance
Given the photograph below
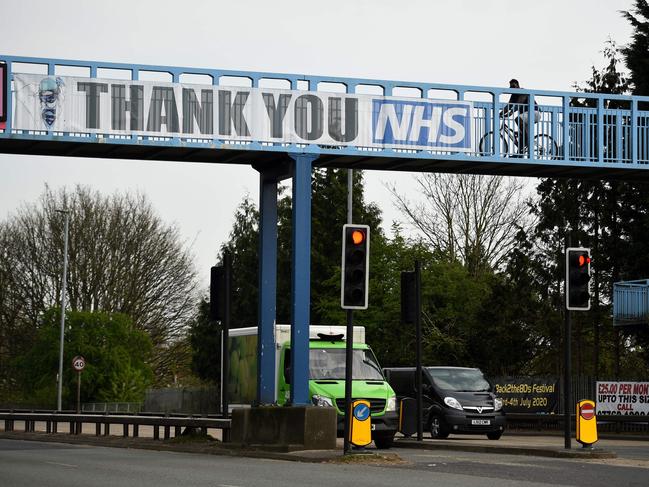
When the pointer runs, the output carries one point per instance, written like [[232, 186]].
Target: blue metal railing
[[591, 136], [631, 302]]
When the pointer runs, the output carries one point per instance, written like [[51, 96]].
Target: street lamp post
[[63, 294]]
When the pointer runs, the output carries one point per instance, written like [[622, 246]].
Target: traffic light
[[217, 292], [408, 297], [577, 278], [355, 267]]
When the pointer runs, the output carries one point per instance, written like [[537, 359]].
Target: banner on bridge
[[238, 115], [622, 398], [528, 394]]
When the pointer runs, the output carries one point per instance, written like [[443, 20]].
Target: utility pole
[[63, 295]]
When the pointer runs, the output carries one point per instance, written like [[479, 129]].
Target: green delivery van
[[326, 374]]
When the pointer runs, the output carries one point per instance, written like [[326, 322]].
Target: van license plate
[[481, 422]]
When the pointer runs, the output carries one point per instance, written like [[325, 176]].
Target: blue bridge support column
[[301, 278], [267, 287]]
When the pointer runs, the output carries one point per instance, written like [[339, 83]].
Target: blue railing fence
[[631, 302]]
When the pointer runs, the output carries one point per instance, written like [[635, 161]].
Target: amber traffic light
[[355, 267]]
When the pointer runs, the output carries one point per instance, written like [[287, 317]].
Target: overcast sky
[[546, 44]]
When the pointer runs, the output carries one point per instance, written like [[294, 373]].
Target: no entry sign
[[587, 411]]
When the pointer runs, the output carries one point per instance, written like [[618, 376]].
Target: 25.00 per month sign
[[622, 397]]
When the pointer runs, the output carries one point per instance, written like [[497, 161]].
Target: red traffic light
[[358, 237], [577, 278]]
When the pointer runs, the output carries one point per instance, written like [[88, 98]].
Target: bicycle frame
[[509, 132]]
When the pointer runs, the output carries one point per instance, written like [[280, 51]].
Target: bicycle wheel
[[486, 145], [545, 147]]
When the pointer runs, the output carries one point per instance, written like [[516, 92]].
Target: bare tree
[[122, 258], [470, 218]]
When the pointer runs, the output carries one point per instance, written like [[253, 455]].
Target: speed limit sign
[[78, 363]]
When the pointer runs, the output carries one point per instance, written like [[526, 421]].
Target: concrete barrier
[[284, 428]]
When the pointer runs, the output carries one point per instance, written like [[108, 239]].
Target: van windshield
[[460, 380], [329, 363]]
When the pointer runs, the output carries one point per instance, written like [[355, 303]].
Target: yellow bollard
[[586, 432], [360, 433]]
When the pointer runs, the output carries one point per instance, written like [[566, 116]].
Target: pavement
[[514, 444], [509, 444]]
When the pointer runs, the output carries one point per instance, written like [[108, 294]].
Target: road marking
[[63, 464], [227, 485], [472, 459]]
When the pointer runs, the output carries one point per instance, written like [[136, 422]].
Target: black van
[[455, 400]]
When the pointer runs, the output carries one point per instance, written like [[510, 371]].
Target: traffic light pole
[[227, 277], [567, 359], [349, 357], [567, 392], [420, 408]]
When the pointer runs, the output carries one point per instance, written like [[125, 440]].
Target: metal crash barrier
[[129, 423]]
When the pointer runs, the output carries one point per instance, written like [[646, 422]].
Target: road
[[522, 469], [33, 463]]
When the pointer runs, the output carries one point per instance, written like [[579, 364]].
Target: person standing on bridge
[[519, 103]]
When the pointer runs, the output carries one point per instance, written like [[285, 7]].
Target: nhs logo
[[422, 124]]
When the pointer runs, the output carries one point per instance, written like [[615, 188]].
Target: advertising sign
[[622, 398], [528, 394], [242, 370], [240, 115], [3, 92]]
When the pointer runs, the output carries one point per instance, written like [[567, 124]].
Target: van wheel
[[437, 428], [494, 435], [384, 442]]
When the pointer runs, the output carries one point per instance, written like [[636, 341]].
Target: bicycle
[[544, 146]]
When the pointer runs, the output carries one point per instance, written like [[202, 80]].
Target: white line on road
[[63, 464]]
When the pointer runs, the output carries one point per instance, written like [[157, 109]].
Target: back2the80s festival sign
[[623, 398], [236, 114], [528, 394]]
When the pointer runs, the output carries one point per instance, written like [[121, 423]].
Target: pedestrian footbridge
[[112, 110]]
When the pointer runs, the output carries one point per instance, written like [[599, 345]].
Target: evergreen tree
[[636, 54], [243, 246]]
